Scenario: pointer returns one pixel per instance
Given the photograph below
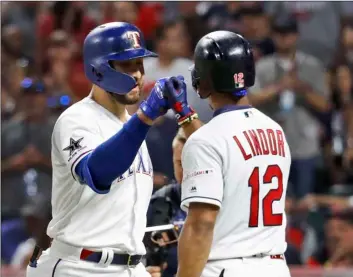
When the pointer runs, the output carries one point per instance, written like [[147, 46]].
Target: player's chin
[[133, 96]]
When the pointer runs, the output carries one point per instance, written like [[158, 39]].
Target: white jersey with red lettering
[[82, 217], [240, 162]]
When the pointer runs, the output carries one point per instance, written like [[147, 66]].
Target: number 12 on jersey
[[269, 218]]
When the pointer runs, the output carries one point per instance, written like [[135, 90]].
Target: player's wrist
[[144, 117], [187, 118]]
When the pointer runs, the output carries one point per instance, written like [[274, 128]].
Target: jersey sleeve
[[202, 175], [75, 137]]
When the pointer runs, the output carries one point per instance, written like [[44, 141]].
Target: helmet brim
[[131, 54]]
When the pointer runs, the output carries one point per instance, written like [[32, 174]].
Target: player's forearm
[[191, 127], [194, 248], [113, 157]]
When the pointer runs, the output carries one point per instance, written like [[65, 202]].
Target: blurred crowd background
[[304, 64]]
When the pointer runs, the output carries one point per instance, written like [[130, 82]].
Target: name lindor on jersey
[[262, 142]]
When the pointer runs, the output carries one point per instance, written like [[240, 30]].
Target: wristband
[[188, 118]]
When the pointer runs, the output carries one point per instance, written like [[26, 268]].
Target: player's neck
[[104, 99], [218, 101]]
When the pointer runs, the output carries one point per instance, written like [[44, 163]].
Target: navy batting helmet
[[224, 62], [116, 41]]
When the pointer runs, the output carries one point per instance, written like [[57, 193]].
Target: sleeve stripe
[[202, 197], [77, 159]]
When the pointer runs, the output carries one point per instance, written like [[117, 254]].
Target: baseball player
[[235, 169], [102, 173]]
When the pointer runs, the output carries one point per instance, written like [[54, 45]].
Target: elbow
[[88, 175]]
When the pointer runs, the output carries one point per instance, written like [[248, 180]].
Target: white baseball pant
[[250, 267], [61, 260]]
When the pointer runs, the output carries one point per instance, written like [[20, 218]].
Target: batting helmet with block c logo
[[224, 62], [115, 41]]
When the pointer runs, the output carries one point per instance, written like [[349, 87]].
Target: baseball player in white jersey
[[235, 169], [102, 173]]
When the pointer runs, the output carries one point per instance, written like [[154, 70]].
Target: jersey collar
[[229, 108]]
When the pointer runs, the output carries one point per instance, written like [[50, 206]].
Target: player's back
[[255, 162]]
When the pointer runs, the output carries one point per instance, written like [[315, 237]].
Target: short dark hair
[[285, 25]]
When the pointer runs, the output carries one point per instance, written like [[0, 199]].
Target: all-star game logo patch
[[73, 147], [198, 173]]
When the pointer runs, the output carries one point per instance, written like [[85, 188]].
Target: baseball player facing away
[[235, 169], [102, 173]]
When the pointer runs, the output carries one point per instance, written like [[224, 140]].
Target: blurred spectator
[[71, 18], [172, 42], [173, 45], [337, 249], [8, 104], [24, 16], [220, 16], [191, 12], [341, 80], [290, 87], [145, 15], [255, 26], [165, 206], [159, 140], [26, 150], [319, 24], [335, 203], [15, 64], [19, 236], [67, 16], [58, 66]]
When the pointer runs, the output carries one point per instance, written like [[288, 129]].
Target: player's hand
[[176, 94], [155, 271], [156, 104]]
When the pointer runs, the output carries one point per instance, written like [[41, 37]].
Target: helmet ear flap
[[98, 75]]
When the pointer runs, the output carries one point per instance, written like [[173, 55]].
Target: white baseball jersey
[[240, 162], [82, 217]]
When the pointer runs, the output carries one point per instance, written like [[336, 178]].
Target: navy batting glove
[[176, 93], [156, 104]]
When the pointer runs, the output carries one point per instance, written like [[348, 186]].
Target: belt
[[118, 259], [273, 257]]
